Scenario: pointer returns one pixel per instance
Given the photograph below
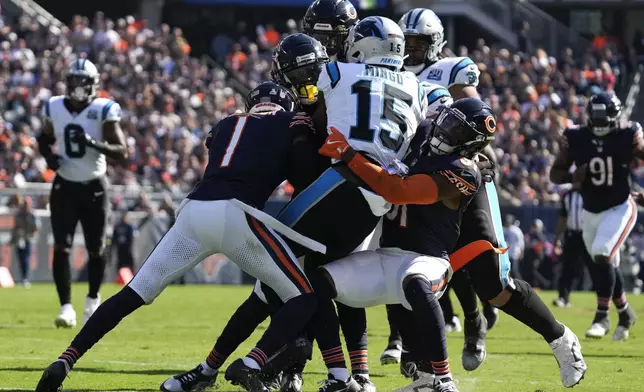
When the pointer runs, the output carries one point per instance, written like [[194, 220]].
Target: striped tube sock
[[603, 304], [621, 303], [215, 360], [70, 356], [441, 368], [256, 355], [359, 363], [334, 358]]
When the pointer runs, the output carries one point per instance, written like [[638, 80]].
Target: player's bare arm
[[113, 145], [459, 91], [638, 141], [560, 172], [45, 140]]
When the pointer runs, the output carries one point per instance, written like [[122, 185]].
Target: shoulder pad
[[301, 119], [455, 71], [330, 76], [463, 173]]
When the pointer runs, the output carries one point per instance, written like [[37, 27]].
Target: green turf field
[[178, 330]]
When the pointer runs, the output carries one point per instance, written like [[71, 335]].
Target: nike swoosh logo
[[332, 142], [97, 194]]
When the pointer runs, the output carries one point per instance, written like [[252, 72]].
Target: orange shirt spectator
[[271, 36]]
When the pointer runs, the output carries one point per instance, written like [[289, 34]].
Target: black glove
[[53, 161], [487, 170]]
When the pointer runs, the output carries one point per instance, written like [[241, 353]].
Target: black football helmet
[[329, 22], [271, 96], [603, 112], [464, 128], [82, 81], [297, 62]]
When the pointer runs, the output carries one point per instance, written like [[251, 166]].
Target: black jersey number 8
[[362, 130], [73, 149]]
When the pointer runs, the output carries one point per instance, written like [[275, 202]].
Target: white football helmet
[[376, 40], [82, 80], [424, 36]]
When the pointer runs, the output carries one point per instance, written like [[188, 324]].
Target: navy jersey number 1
[[234, 141]]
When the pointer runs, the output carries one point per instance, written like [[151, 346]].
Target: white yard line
[[29, 358]]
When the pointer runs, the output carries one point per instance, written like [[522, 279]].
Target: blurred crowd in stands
[[170, 99]]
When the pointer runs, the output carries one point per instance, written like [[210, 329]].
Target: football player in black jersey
[[412, 267], [299, 75], [250, 154], [329, 21], [603, 150]]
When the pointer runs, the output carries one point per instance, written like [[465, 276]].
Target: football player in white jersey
[[378, 108], [85, 130], [424, 40]]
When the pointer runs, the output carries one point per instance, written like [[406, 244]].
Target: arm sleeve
[[111, 112], [303, 157], [437, 97], [415, 189], [465, 72]]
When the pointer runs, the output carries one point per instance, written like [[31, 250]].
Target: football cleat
[[192, 380], [392, 354], [291, 382], [53, 377], [561, 303], [445, 384], [365, 384], [454, 325], [627, 319], [599, 327], [240, 374], [66, 318], [91, 304], [333, 385], [567, 351], [474, 351], [423, 382]]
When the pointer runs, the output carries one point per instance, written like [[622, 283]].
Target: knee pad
[[418, 289]]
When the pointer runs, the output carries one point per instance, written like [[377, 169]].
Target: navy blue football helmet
[[603, 112], [297, 62], [270, 96], [465, 128], [329, 21]]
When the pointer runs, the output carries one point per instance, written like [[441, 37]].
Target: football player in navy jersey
[[603, 150], [299, 75], [250, 154], [412, 266], [329, 21]]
